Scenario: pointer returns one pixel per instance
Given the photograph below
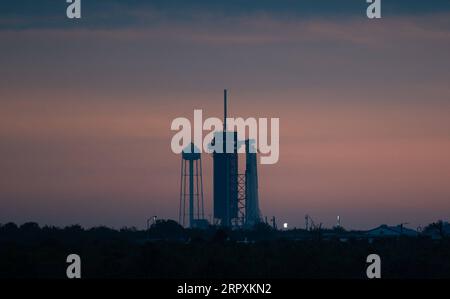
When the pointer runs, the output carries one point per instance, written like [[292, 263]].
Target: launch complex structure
[[235, 195]]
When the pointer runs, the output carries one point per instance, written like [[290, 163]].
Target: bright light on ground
[[285, 225]]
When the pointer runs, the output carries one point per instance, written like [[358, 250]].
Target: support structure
[[191, 188], [252, 213], [239, 221], [236, 201], [225, 174]]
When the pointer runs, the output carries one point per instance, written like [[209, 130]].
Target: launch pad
[[235, 195]]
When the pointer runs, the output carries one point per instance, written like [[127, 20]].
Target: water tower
[[191, 188]]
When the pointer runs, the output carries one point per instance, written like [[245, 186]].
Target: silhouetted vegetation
[[167, 250]]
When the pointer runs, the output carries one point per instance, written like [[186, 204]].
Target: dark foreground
[[168, 251]]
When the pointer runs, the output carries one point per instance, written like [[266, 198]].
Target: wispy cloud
[[262, 29]]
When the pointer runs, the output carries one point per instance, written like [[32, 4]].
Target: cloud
[[100, 14], [261, 29]]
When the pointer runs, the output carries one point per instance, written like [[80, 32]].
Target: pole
[[224, 110], [191, 192]]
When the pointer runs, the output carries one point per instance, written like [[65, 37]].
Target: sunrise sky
[[86, 106]]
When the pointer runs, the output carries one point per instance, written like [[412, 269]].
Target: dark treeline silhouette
[[167, 250]]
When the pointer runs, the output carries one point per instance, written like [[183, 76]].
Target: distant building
[[437, 230], [385, 231]]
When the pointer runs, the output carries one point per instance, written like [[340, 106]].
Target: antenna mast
[[224, 110]]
